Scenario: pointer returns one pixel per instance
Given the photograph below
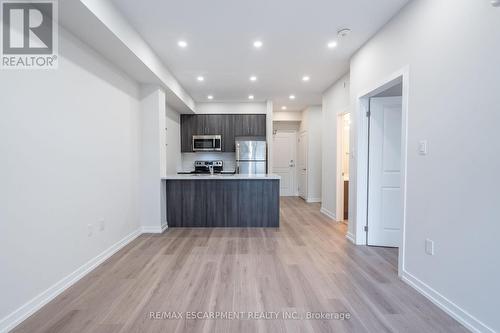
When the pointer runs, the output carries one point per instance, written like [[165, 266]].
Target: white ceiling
[[220, 34]]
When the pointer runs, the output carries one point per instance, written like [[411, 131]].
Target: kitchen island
[[222, 200]]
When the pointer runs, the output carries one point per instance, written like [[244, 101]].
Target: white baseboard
[[154, 230], [328, 213], [462, 316], [350, 237], [312, 200], [15, 318]]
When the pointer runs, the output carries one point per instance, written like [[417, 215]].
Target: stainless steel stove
[[205, 167]]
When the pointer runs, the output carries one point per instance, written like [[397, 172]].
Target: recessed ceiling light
[[283, 107], [253, 78], [210, 97], [182, 43], [291, 96], [257, 44], [332, 44], [250, 96], [200, 78], [305, 78]]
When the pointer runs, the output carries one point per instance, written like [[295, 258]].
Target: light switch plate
[[422, 147], [429, 247]]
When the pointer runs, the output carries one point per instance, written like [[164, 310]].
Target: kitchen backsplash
[[188, 159]]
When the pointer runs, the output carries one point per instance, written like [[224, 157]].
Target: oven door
[[207, 143]]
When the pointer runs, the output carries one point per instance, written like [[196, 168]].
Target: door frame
[[306, 161], [339, 179], [361, 132], [295, 143]]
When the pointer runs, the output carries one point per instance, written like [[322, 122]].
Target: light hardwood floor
[[305, 265]]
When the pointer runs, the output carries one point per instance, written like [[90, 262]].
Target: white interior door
[[384, 173], [284, 160], [302, 164]]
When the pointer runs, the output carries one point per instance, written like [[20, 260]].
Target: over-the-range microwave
[[207, 142]]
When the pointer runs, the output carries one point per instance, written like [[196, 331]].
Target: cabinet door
[[239, 125], [199, 127], [213, 124], [187, 127], [258, 124], [250, 125], [228, 133], [208, 124]]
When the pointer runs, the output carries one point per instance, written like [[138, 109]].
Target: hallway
[[306, 266]]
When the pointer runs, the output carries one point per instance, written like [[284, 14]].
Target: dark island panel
[[223, 203]]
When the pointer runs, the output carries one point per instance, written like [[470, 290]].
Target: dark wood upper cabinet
[[229, 126], [250, 125], [188, 124], [260, 125], [228, 133], [212, 124]]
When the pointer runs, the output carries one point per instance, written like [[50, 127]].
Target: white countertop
[[224, 177]]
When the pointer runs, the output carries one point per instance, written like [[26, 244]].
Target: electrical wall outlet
[[90, 230], [429, 247], [422, 147], [102, 225]]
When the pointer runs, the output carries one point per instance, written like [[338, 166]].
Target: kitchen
[[224, 179]]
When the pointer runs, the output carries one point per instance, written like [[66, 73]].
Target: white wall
[[335, 102], [287, 116], [269, 135], [345, 135], [286, 126], [173, 140], [314, 157], [231, 108], [69, 141], [452, 49], [311, 123], [106, 18], [153, 158]]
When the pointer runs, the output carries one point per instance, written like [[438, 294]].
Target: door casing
[[302, 164], [360, 133], [340, 158]]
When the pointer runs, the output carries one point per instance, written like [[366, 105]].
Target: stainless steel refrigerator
[[251, 155]]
